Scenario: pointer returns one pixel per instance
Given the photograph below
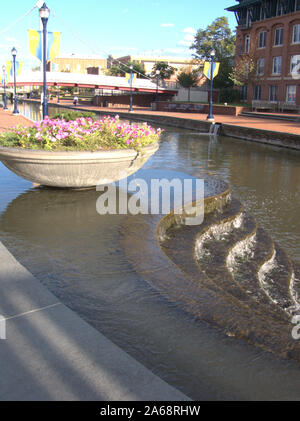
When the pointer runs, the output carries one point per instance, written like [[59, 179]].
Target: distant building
[[269, 32], [148, 62], [75, 63]]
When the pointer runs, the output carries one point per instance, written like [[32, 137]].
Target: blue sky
[[117, 27]]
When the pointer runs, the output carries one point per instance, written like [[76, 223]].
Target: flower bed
[[82, 134]]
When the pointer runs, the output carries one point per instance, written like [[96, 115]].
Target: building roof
[[80, 56], [242, 4], [156, 58]]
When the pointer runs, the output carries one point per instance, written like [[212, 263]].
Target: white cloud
[[189, 30], [185, 43], [167, 25], [187, 40]]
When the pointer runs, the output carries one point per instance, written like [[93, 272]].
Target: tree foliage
[[166, 71], [219, 37], [120, 69], [188, 79], [244, 71]]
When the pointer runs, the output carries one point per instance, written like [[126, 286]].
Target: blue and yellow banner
[[10, 69], [128, 78], [35, 44], [207, 69]]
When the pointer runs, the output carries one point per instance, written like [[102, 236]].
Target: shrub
[[230, 95], [73, 115]]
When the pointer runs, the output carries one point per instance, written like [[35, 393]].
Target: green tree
[[166, 71], [36, 69], [188, 79], [219, 37], [121, 68], [244, 71]]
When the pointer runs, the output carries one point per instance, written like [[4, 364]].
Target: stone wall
[[217, 109]]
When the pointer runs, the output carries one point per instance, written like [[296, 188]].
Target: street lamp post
[[44, 15], [157, 78], [130, 107], [57, 94], [210, 116], [14, 53], [4, 88]]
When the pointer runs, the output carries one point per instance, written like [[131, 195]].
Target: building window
[[247, 44], [296, 34], [291, 94], [279, 10], [278, 36], [78, 67], [276, 70], [257, 93], [67, 67], [273, 93], [295, 65], [262, 39], [260, 66], [244, 93], [297, 5]]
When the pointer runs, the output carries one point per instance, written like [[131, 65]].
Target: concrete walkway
[[7, 119], [258, 123], [50, 353]]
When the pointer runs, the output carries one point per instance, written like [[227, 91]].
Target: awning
[[243, 4]]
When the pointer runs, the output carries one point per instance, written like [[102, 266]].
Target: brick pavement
[[7, 119]]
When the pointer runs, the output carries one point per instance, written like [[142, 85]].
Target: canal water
[[77, 254]]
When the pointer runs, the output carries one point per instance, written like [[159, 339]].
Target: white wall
[[197, 94]]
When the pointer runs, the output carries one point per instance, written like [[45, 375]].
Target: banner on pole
[[10, 69], [207, 69], [128, 78], [35, 44]]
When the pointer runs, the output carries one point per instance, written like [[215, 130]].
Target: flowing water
[[76, 253]]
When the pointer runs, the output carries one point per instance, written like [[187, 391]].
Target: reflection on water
[[76, 253]]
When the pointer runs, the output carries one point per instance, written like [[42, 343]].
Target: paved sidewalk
[[258, 123], [50, 353], [8, 119]]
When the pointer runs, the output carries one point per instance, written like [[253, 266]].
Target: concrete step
[[275, 277], [283, 117], [245, 267]]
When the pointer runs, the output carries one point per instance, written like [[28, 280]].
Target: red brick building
[[268, 31]]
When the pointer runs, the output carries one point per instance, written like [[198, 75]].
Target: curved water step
[[295, 284], [214, 263], [216, 238], [245, 269], [275, 277], [198, 295]]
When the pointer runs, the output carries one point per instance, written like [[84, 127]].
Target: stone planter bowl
[[75, 169]]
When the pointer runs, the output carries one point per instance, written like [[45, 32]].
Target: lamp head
[[44, 12], [14, 52], [131, 67], [157, 72], [4, 68], [213, 53]]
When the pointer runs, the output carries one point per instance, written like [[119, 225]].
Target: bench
[[289, 106], [264, 105]]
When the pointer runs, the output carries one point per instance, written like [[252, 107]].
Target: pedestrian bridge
[[89, 81]]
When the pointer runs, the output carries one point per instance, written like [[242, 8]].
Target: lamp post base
[[210, 119], [130, 111]]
